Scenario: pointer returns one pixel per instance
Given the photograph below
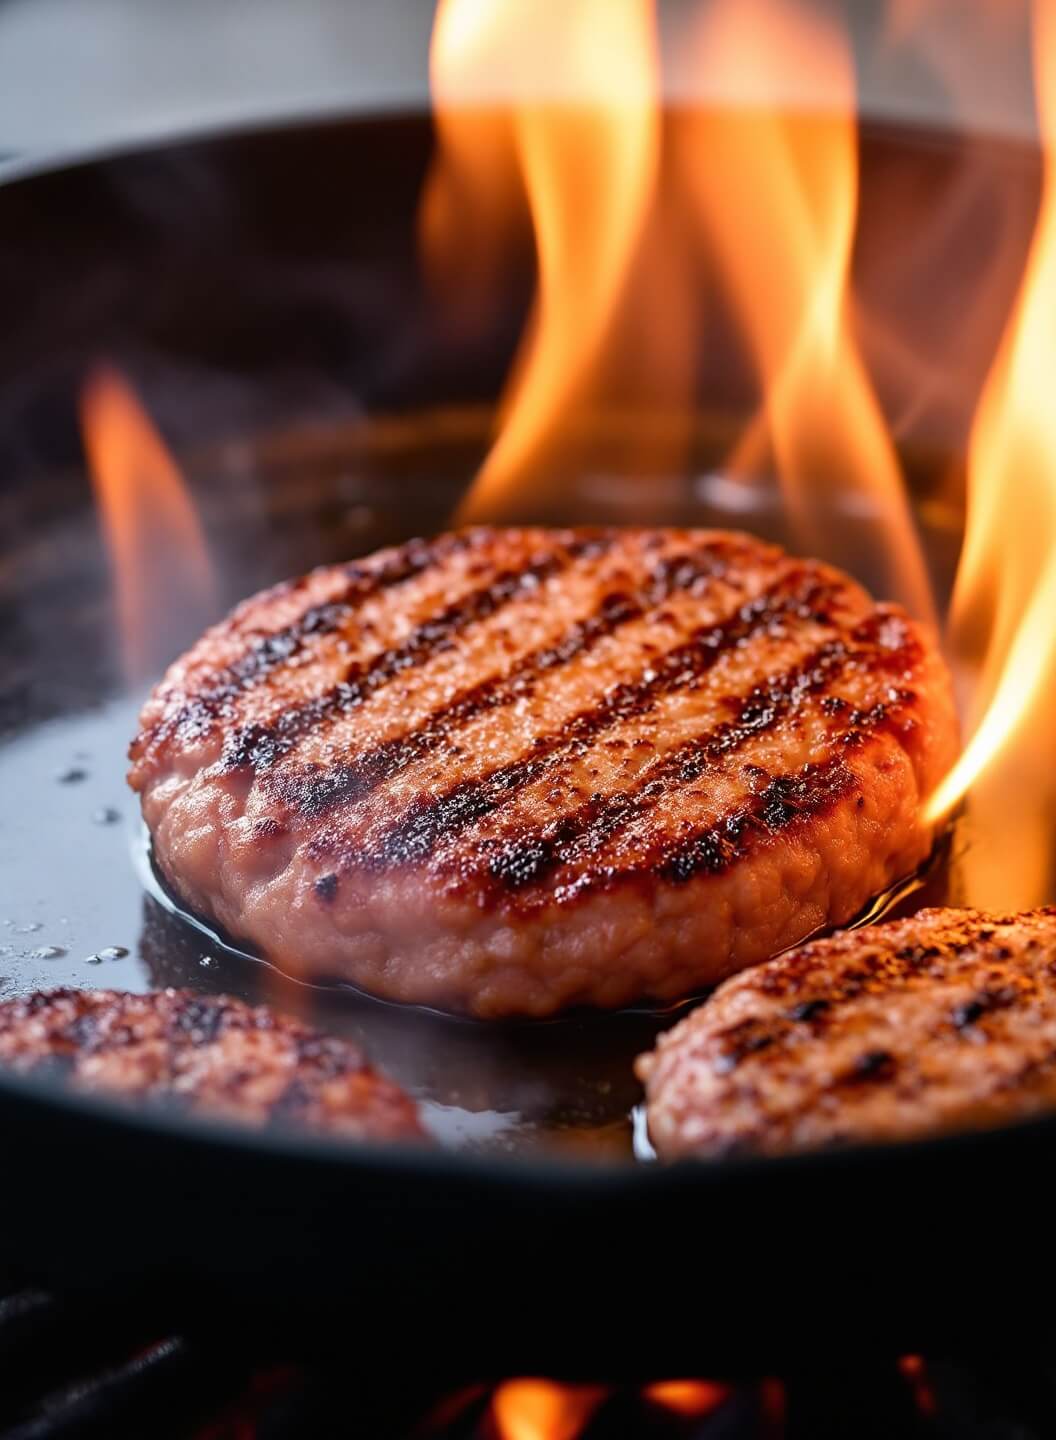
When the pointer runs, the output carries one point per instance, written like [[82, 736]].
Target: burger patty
[[943, 1021], [510, 771], [205, 1053]]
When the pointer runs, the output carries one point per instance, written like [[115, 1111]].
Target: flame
[[687, 1397], [543, 1410], [472, 206], [582, 81], [156, 546], [1004, 604], [775, 190]]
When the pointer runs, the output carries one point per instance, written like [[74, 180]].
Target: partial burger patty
[[943, 1021], [204, 1053], [511, 771]]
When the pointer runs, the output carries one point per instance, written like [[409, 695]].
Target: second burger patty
[[205, 1054], [943, 1021], [506, 772]]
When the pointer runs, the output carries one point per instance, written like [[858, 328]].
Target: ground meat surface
[[508, 772], [206, 1053], [940, 1022]]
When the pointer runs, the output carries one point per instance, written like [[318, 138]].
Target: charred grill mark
[[873, 1067], [267, 652], [966, 1015], [748, 1037], [198, 1020], [352, 781], [782, 801], [261, 746], [441, 818], [807, 1011], [591, 826], [785, 799], [326, 887]]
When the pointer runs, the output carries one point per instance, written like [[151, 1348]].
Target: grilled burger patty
[[511, 771], [206, 1053], [942, 1021]]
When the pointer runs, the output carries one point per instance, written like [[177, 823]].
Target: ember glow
[[543, 1410], [546, 1410], [585, 127], [1004, 604], [687, 1397], [162, 574]]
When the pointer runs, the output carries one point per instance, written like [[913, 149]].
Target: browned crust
[[204, 1053], [941, 1021], [459, 769]]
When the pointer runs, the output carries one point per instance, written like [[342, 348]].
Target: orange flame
[[776, 193], [157, 549], [472, 206], [1004, 605], [687, 1397], [583, 83], [543, 1410]]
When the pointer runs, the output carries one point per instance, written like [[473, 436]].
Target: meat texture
[[940, 1022], [204, 1053], [507, 772]]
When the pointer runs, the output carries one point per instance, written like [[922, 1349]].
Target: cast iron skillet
[[263, 292]]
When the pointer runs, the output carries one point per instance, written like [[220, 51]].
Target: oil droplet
[[112, 952], [207, 962], [47, 952], [73, 776], [106, 815]]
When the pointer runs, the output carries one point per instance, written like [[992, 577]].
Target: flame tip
[[147, 516]]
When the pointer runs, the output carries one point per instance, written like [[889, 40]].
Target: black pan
[[262, 291]]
